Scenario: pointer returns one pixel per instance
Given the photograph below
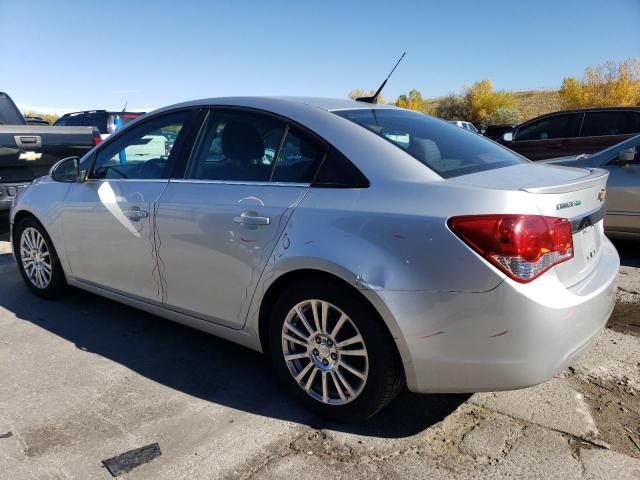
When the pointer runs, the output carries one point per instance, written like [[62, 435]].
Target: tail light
[[522, 246], [96, 138]]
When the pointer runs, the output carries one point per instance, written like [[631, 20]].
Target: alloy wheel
[[325, 352], [36, 258]]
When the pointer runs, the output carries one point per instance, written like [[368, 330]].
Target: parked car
[[31, 120], [29, 151], [466, 125], [623, 187], [573, 132], [494, 132], [106, 122], [360, 246]]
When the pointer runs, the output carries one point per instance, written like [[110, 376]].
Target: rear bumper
[[511, 337]]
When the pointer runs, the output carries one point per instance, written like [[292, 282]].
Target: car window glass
[[607, 123], [337, 171], [557, 126], [298, 159], [446, 149], [97, 120], [74, 121], [236, 145], [141, 153]]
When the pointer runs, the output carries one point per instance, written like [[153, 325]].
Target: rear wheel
[[332, 352], [37, 259]]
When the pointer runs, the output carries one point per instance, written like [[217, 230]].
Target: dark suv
[[103, 120], [573, 132]]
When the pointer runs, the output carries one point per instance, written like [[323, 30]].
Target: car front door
[[623, 194], [107, 219], [219, 224], [548, 137]]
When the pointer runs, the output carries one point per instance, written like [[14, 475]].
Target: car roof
[[328, 104]]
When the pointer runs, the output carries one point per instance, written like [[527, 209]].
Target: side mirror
[[66, 170], [508, 137], [627, 156]]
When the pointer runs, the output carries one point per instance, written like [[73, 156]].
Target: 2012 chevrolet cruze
[[363, 247]]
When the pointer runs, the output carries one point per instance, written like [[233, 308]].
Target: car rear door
[[220, 222], [107, 219], [548, 137]]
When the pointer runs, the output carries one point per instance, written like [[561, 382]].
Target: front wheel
[[37, 259], [332, 352]]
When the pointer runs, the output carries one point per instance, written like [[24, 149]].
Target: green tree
[[413, 101]]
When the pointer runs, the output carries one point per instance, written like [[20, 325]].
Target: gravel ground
[[85, 379]]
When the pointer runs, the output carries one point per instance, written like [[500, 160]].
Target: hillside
[[530, 103]]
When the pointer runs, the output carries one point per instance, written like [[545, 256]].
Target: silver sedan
[[622, 161], [362, 247]]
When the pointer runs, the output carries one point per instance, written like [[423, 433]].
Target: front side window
[[448, 150], [236, 145], [142, 152], [557, 126]]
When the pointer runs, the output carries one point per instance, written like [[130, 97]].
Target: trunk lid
[[577, 194]]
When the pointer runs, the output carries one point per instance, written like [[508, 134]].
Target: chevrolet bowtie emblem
[[602, 195], [30, 156]]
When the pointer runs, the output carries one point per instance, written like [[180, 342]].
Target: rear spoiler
[[596, 176]]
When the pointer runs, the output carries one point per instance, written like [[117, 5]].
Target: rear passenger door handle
[[251, 218]]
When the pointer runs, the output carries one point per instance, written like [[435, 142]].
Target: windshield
[[448, 150]]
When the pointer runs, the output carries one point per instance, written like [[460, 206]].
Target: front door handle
[[135, 214], [252, 219]]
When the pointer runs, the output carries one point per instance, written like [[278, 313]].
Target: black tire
[[385, 374], [57, 285]]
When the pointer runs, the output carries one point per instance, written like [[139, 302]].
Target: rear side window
[[557, 126], [448, 150], [236, 146], [610, 123]]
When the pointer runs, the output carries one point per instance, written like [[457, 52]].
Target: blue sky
[[60, 55]]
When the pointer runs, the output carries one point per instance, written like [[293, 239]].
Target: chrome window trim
[[239, 182], [144, 180]]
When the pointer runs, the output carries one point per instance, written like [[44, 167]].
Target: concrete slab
[[554, 405], [605, 465]]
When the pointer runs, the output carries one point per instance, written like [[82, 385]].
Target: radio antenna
[[374, 97]]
